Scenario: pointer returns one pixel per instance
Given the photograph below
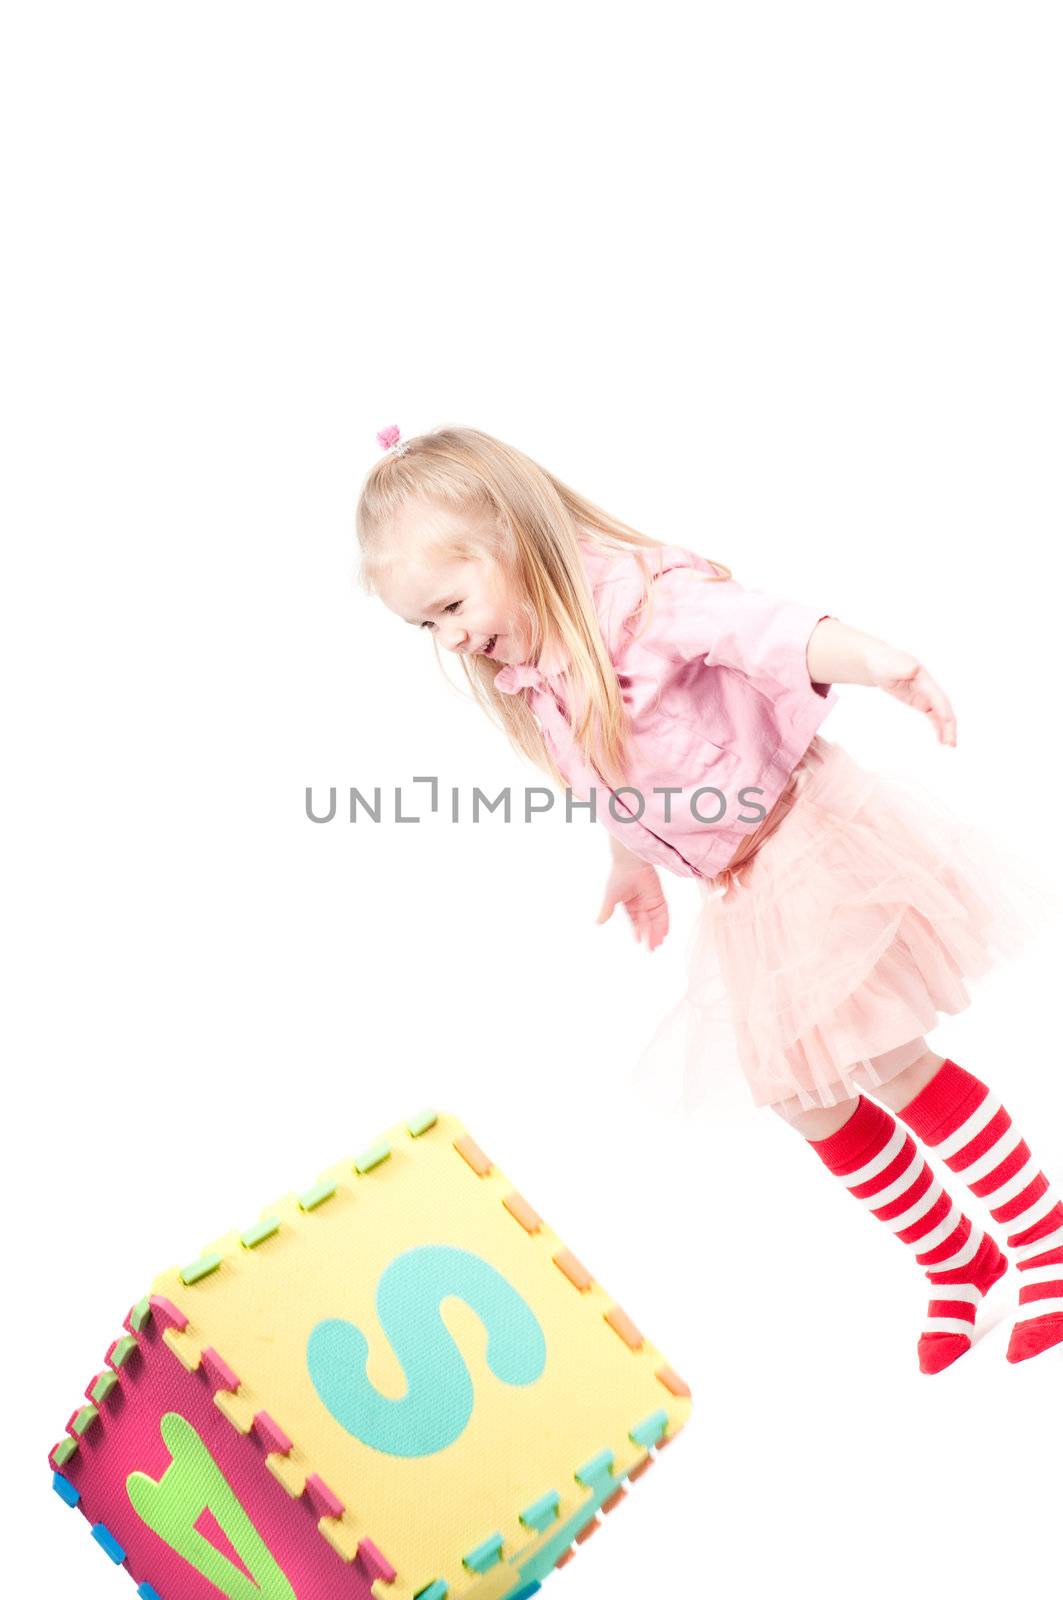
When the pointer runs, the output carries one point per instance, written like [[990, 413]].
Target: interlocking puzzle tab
[[399, 1385]]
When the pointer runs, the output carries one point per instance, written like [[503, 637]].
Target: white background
[[780, 283]]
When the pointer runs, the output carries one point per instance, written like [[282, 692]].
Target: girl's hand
[[902, 676], [635, 885]]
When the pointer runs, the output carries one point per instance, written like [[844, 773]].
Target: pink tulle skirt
[[834, 947]]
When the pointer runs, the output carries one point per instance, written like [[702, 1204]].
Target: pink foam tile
[[127, 1438]]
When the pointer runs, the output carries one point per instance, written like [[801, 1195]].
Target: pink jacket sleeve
[[726, 625]]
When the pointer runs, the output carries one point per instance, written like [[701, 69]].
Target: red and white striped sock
[[882, 1166], [958, 1117]]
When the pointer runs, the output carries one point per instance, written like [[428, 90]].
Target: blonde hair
[[530, 522]]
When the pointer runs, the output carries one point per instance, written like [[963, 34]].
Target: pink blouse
[[719, 701]]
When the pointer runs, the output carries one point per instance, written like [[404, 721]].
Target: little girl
[[842, 912]]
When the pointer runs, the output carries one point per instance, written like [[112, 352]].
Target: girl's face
[[469, 605]]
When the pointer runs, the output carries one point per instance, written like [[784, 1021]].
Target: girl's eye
[[453, 606]]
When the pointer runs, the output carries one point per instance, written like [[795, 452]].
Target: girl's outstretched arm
[[634, 884], [840, 654]]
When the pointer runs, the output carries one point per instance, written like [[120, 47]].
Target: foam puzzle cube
[[399, 1384]]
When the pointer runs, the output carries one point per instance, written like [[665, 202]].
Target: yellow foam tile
[[438, 1199]]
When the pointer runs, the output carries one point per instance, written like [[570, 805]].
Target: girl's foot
[[968, 1128], [880, 1164]]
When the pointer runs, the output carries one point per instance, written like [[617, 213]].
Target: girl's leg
[[956, 1115], [880, 1164], [902, 1090], [821, 1122]]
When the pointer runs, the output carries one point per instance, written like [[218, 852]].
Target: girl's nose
[[455, 638]]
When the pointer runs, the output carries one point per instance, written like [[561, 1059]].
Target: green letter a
[[194, 1483]]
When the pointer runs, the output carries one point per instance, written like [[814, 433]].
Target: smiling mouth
[[490, 645]]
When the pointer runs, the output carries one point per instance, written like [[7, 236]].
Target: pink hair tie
[[388, 437]]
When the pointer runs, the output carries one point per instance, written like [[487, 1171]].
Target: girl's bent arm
[[620, 851], [840, 654]]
